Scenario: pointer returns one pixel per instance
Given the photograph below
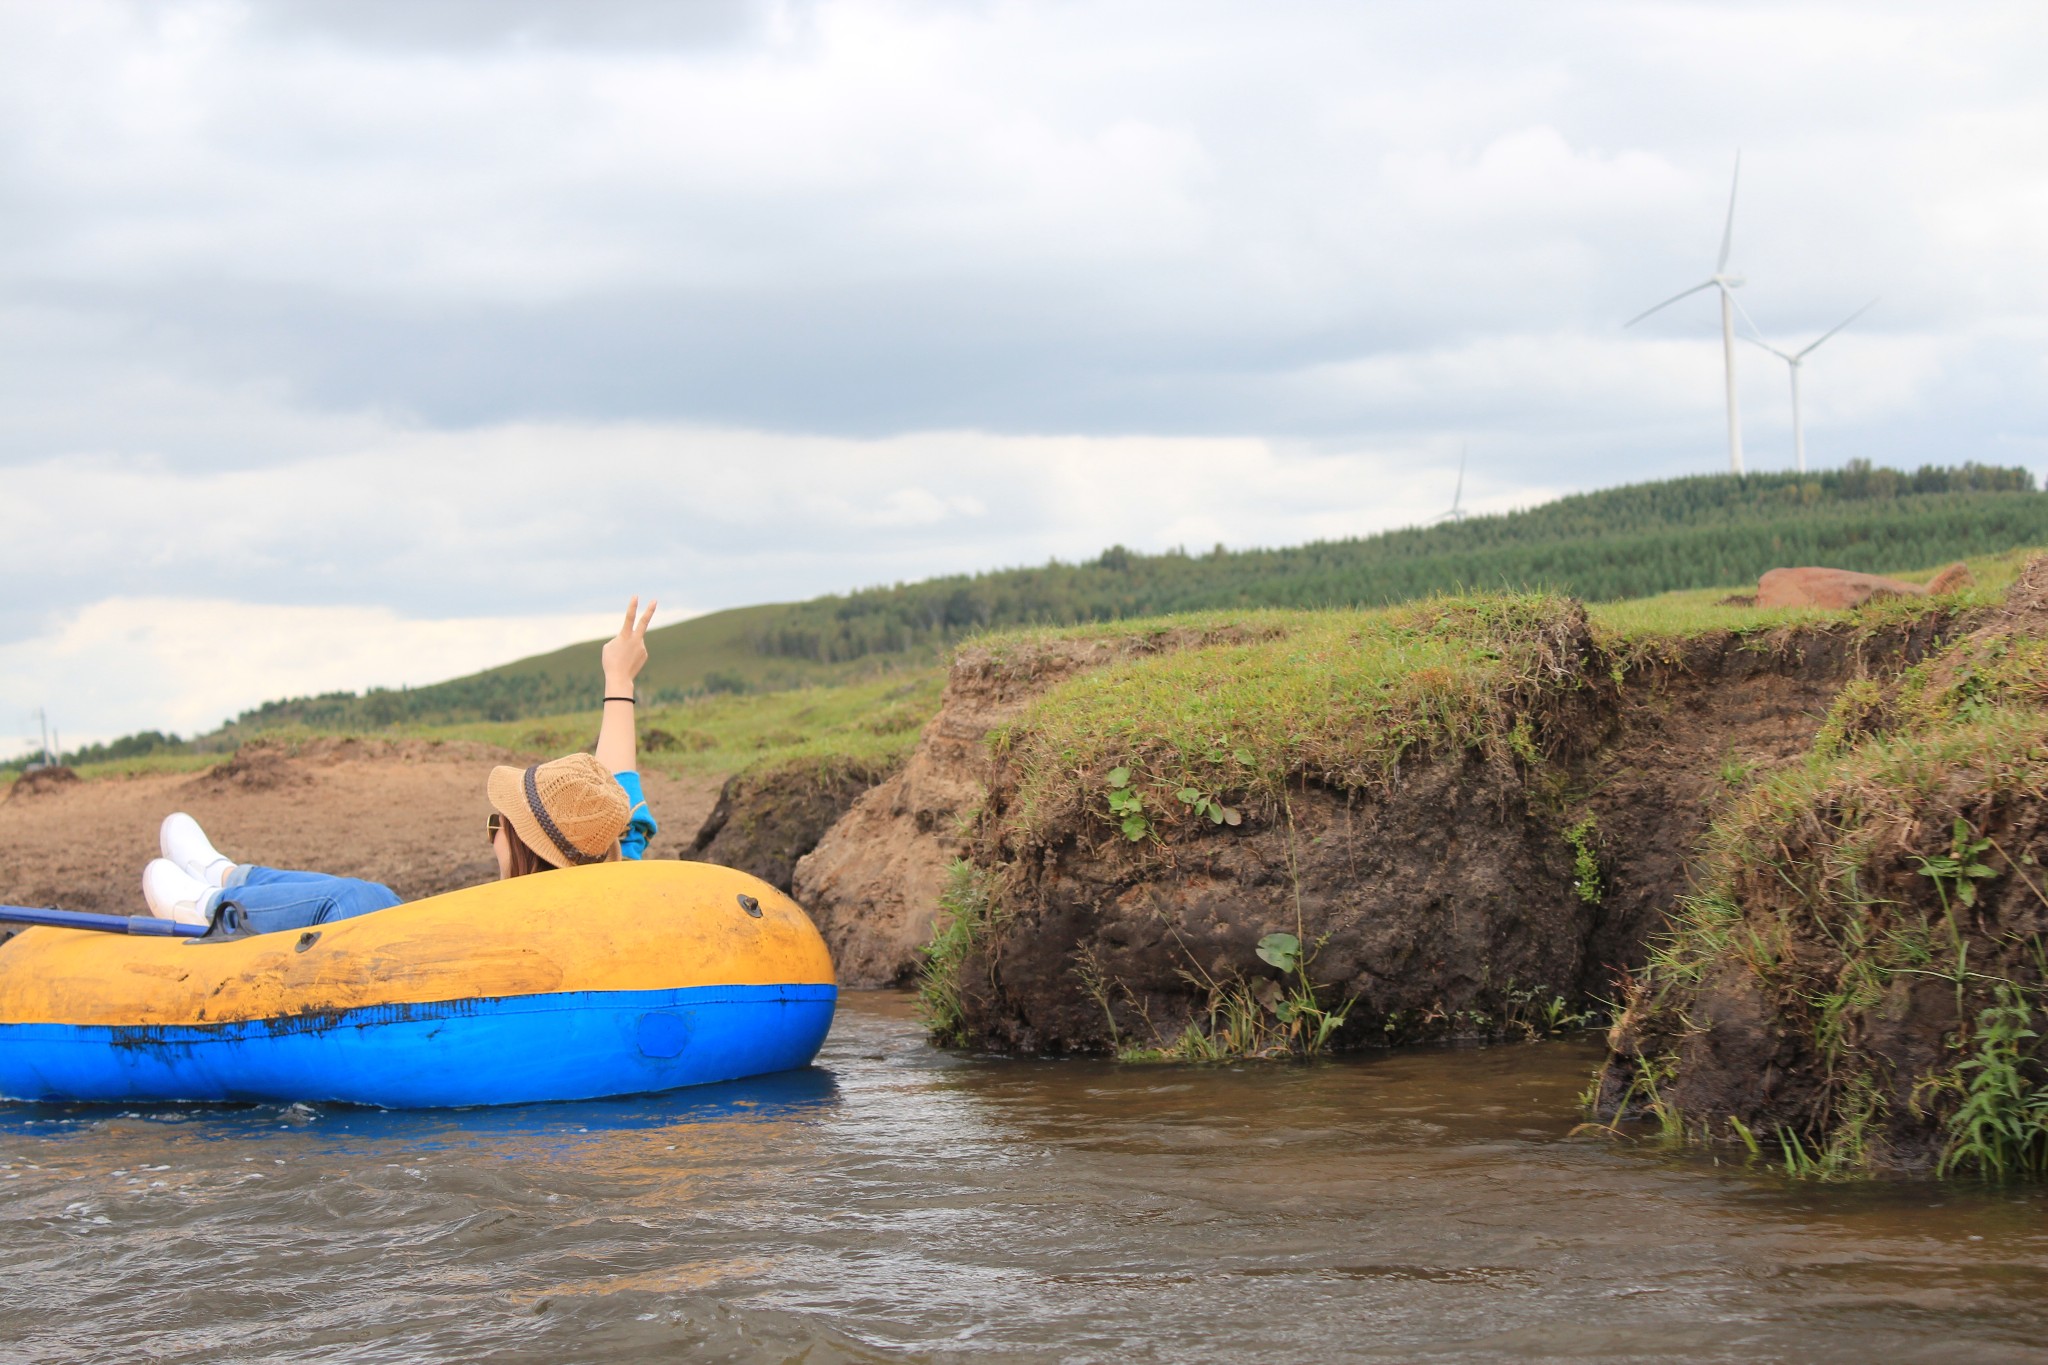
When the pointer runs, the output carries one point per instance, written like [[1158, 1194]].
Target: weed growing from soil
[[1999, 1126], [1526, 1014], [1255, 1018], [1126, 806], [966, 913], [1585, 860], [1957, 872]]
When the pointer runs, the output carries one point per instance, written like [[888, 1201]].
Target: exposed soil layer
[[1826, 982], [1446, 902], [1438, 897], [37, 781], [1759, 1047], [409, 814], [872, 884], [1687, 732], [766, 820]]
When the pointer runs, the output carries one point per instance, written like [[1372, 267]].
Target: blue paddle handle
[[105, 924]]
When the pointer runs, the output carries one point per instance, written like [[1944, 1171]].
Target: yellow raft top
[[627, 926]]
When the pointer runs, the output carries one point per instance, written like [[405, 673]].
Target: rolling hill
[[1615, 543]]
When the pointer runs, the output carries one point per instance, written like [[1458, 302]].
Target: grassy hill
[[874, 721], [705, 655], [1632, 541]]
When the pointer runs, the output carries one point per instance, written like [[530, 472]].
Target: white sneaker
[[174, 893], [185, 844]]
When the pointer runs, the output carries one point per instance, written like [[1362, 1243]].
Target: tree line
[[1620, 542], [1633, 541]]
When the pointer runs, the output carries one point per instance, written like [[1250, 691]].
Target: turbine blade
[[1756, 333], [1666, 304], [1840, 325], [1728, 231]]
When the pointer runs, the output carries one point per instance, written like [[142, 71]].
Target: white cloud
[[558, 517], [495, 308], [138, 663]]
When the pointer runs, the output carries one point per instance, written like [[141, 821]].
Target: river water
[[901, 1203]]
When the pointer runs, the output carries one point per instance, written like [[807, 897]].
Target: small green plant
[[2000, 1128], [1280, 950], [1522, 739], [1585, 860], [1215, 810], [1536, 1013], [1857, 710], [1958, 871], [1299, 1008], [1645, 1088], [1088, 969], [965, 915], [1127, 806], [1742, 1130]]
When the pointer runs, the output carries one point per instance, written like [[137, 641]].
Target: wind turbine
[[1457, 512], [1792, 362], [1723, 281]]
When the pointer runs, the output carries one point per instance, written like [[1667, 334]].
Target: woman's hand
[[625, 654]]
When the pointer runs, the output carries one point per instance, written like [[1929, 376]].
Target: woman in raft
[[580, 809]]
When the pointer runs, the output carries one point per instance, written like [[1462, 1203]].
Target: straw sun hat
[[569, 811]]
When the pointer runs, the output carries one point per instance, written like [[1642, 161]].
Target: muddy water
[[898, 1203]]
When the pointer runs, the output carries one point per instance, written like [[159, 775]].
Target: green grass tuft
[[966, 911], [1342, 696]]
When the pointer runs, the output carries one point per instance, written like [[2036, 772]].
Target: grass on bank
[[874, 723], [1161, 738], [1903, 853], [1341, 696]]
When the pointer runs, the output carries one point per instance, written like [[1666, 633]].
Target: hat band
[[547, 825]]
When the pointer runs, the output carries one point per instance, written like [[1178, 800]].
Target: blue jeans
[[268, 900]]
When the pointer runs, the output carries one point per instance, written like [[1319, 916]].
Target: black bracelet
[[628, 700]]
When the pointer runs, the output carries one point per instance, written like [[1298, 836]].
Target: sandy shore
[[407, 813]]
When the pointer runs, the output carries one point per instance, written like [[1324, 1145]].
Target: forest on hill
[[1620, 542], [1632, 541]]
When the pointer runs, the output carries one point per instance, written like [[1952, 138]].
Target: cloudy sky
[[353, 342]]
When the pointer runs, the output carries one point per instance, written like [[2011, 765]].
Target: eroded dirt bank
[[1855, 980], [1688, 730], [767, 819], [874, 880], [409, 814], [1455, 897]]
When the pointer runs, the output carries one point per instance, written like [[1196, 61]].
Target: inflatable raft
[[615, 979]]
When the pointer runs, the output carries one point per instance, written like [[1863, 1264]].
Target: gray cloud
[[280, 283], [455, 25]]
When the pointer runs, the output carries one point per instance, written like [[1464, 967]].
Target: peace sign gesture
[[625, 654]]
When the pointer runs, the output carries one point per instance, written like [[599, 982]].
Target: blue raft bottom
[[569, 1045]]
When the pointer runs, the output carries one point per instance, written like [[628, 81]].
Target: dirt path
[[408, 814]]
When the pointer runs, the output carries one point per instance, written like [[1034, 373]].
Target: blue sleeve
[[633, 843]]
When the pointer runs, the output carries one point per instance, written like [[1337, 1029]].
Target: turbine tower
[[1792, 362], [1723, 281], [1457, 512]]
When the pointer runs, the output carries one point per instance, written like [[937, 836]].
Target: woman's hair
[[524, 859]]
